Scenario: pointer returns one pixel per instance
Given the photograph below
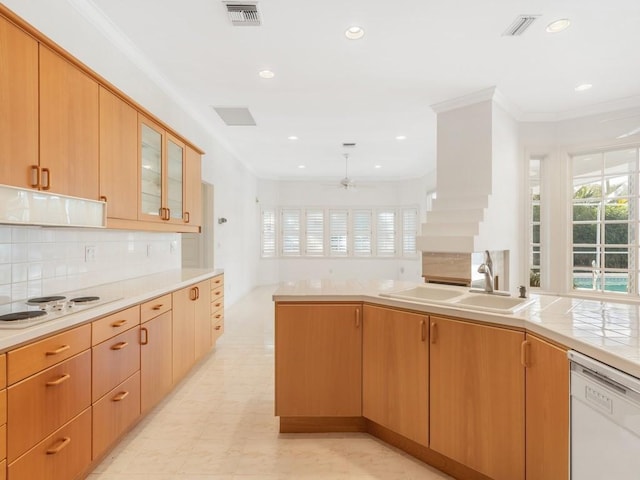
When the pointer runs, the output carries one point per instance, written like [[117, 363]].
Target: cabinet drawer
[[3, 370], [61, 456], [107, 327], [115, 413], [3, 407], [217, 329], [32, 358], [217, 304], [40, 404], [114, 360], [217, 293], [3, 441], [217, 282], [155, 307]]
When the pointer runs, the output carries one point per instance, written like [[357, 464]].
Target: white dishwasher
[[605, 421]]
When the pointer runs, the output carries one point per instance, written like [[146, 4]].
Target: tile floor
[[219, 423]]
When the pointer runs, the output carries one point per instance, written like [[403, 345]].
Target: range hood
[[478, 177], [21, 206]]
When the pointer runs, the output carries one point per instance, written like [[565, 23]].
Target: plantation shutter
[[386, 233], [315, 233], [268, 233], [290, 233], [338, 232], [409, 231], [362, 233]]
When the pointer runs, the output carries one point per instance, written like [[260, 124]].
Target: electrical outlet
[[172, 246], [148, 250], [89, 253]]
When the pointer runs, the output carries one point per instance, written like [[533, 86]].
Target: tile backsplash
[[37, 261]]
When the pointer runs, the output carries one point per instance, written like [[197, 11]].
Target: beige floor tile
[[219, 423]]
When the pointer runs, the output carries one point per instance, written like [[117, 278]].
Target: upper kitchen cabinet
[[193, 187], [19, 105], [118, 156], [165, 177], [68, 128]]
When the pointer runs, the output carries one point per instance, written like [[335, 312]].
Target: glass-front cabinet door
[[150, 171], [161, 174], [175, 168]]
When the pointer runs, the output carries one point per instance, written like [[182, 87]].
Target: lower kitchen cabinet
[[63, 455], [191, 322], [547, 424], [114, 413], [395, 371], [42, 403], [156, 375], [477, 397], [318, 360]]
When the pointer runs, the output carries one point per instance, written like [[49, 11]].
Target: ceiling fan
[[347, 183]]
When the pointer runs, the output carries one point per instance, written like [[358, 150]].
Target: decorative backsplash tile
[[38, 261]]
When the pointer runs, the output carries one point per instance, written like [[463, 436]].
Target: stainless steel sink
[[492, 303], [427, 294]]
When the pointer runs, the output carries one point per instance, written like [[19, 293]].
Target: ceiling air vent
[[243, 13], [236, 116], [520, 25], [348, 145]]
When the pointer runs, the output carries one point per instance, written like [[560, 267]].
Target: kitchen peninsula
[[474, 393]]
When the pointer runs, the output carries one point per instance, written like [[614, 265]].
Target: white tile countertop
[[608, 331], [119, 295]]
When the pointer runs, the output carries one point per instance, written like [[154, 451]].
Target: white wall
[[235, 186], [273, 193]]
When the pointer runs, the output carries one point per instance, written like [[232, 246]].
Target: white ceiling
[[328, 90]]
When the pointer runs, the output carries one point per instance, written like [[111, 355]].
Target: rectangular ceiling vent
[[348, 145], [236, 116], [520, 25], [243, 13]]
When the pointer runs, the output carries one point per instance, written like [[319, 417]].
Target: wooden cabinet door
[[113, 361], [183, 331], [173, 188], [395, 371], [547, 424], [42, 403], [19, 105], [156, 376], [118, 156], [202, 312], [318, 350], [193, 187], [477, 395], [115, 413], [151, 166], [69, 128], [64, 455]]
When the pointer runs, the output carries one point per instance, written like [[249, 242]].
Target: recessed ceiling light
[[302, 166], [378, 166], [266, 74], [583, 87], [401, 137], [354, 33], [558, 25], [292, 137]]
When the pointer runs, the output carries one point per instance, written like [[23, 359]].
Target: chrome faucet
[[487, 269]]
